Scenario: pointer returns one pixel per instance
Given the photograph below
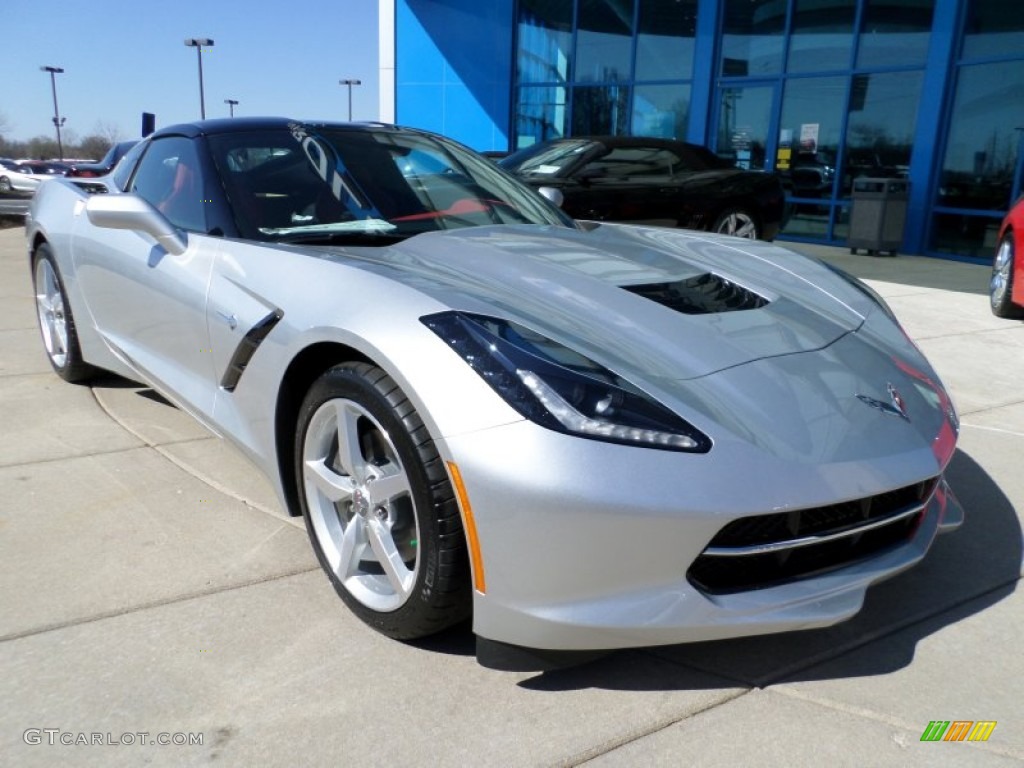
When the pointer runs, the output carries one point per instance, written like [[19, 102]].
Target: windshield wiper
[[347, 237]]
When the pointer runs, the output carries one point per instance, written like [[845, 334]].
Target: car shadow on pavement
[[965, 572]]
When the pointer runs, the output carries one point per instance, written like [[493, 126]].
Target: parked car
[[653, 181], [46, 167], [590, 437], [1006, 288], [15, 178], [104, 166]]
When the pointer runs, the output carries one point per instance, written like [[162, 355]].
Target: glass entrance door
[[745, 117]]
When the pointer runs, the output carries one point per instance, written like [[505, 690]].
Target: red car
[[1006, 290]]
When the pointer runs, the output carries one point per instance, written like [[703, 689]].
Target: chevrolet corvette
[[583, 435]]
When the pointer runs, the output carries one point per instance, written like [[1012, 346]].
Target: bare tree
[[108, 131]]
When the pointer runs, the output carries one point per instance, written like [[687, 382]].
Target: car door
[[631, 183], [150, 305]]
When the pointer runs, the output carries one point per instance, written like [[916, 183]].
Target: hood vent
[[700, 295]]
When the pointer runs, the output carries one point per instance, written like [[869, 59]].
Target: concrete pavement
[[151, 584]]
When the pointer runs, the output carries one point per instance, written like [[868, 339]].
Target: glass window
[[664, 46], [604, 40], [600, 110], [994, 28], [965, 235], [545, 41], [880, 127], [822, 35], [812, 115], [541, 114], [752, 37], [744, 115], [661, 110], [895, 32], [808, 220], [984, 136], [169, 179], [636, 162]]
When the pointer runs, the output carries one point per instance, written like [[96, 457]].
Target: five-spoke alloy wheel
[[1000, 288], [736, 222], [56, 322], [378, 504]]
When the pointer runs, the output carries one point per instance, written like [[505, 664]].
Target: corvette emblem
[[895, 406]]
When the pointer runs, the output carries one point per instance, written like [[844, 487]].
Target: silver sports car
[[585, 436]]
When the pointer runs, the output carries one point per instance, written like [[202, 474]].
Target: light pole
[[232, 103], [57, 121], [350, 83], [199, 43]]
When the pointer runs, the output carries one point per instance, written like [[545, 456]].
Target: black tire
[[56, 322], [737, 222], [358, 530], [1000, 287]]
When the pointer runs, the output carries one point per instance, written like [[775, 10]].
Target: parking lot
[[154, 591]]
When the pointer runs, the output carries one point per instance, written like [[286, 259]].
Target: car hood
[[626, 296]]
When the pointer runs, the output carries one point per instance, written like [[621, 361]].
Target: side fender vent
[[701, 295]]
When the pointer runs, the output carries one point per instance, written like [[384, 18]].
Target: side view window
[[123, 170], [168, 178], [623, 163]]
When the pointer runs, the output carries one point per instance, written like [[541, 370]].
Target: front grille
[[700, 295], [768, 550]]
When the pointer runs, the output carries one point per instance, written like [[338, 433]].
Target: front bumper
[[586, 545]]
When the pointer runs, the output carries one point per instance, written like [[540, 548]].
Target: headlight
[[558, 388]]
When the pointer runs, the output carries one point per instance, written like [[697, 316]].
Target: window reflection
[[812, 114], [822, 35], [604, 42], [600, 110], [664, 46], [895, 32], [545, 41], [661, 110], [965, 235], [984, 137], [752, 37], [743, 126], [540, 115], [994, 28], [880, 127]]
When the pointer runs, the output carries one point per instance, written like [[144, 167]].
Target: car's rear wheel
[[379, 506], [738, 223], [56, 323], [1000, 287]]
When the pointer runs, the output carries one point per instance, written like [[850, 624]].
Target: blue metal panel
[[926, 160], [453, 68]]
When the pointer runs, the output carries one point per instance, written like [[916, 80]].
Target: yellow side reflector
[[469, 523]]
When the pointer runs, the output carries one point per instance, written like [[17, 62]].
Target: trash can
[[878, 214]]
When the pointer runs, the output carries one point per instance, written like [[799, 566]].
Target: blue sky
[[125, 57]]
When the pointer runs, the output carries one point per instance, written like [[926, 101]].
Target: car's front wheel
[[379, 506], [1000, 287], [56, 323], [738, 223], [5, 184]]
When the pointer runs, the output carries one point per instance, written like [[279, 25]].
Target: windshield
[[337, 184], [548, 159]]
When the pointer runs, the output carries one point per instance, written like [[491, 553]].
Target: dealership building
[[822, 92]]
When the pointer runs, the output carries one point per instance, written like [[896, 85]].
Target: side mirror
[[553, 194], [132, 212]]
